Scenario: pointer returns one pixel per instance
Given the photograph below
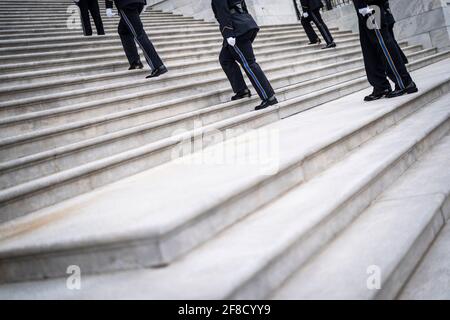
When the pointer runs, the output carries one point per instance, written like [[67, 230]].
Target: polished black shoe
[[330, 45], [157, 72], [411, 88], [376, 95], [137, 65], [318, 41], [267, 103], [241, 95]]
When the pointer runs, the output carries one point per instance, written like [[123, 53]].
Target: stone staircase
[[89, 173]]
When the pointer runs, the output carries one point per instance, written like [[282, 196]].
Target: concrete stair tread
[[199, 269], [431, 279], [386, 234]]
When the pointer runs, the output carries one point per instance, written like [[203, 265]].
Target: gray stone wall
[[265, 12], [425, 22]]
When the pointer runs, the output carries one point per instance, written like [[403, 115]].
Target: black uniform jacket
[[233, 17], [122, 3], [310, 5]]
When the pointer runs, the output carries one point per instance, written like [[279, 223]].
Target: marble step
[[196, 70], [99, 237], [164, 88], [388, 239], [431, 279], [62, 148], [113, 57], [24, 134]]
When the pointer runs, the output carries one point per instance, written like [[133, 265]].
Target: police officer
[[381, 52], [239, 30], [311, 13], [91, 6], [130, 30]]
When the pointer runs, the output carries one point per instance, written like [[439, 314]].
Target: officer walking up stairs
[[380, 52], [130, 29], [311, 13], [239, 30], [86, 7]]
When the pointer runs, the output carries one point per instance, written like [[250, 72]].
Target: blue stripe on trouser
[[388, 57], [130, 26], [321, 28], [249, 70]]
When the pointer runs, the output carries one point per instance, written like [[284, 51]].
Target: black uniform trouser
[[389, 72], [243, 53], [316, 17], [131, 31], [380, 52], [86, 7]]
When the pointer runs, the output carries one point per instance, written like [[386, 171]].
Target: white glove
[[305, 15], [231, 41], [145, 8], [365, 11], [110, 13]]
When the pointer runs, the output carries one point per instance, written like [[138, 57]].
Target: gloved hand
[[365, 11], [305, 15], [231, 41], [110, 13], [145, 8]]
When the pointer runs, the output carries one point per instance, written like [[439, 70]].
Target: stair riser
[[393, 283], [27, 203], [117, 57], [288, 262], [52, 165], [173, 245], [198, 82], [266, 61], [101, 109]]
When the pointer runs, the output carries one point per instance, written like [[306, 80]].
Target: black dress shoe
[[377, 94], [137, 65], [330, 45], [411, 88], [318, 41], [157, 72], [241, 95], [267, 103]]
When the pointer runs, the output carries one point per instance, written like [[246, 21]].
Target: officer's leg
[[317, 18], [393, 58], [373, 61], [85, 21], [95, 13], [312, 35], [131, 17], [243, 52], [129, 46], [391, 32], [232, 70]]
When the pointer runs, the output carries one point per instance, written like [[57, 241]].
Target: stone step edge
[[396, 115]]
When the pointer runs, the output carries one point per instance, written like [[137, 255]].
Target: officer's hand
[[305, 15], [231, 41], [110, 13], [365, 11], [145, 8]]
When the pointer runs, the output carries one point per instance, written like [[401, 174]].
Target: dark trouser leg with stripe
[[243, 53], [380, 52], [95, 13], [312, 35], [324, 31], [403, 57], [130, 17], [85, 20]]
